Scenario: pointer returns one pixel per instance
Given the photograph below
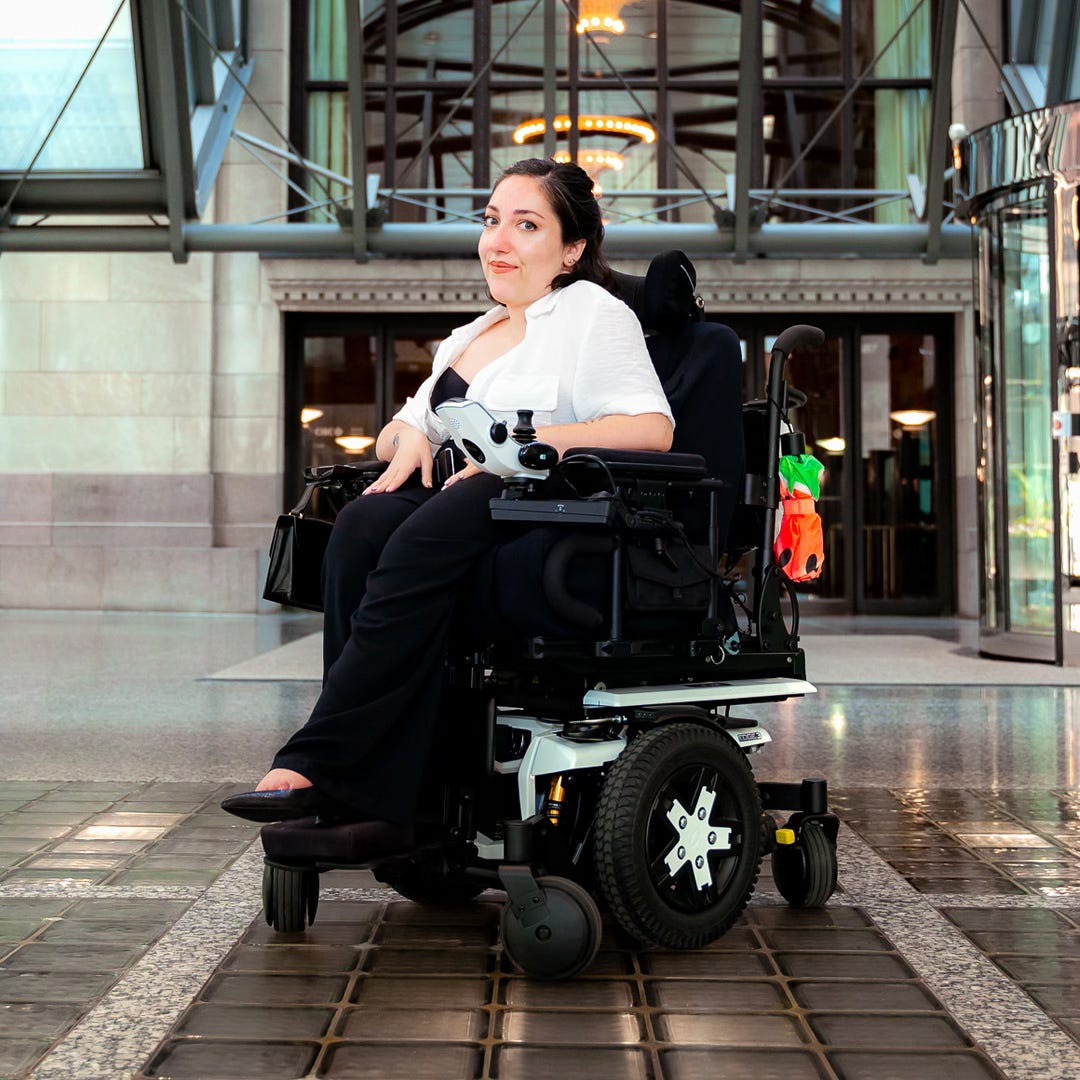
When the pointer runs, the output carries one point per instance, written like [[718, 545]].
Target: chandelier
[[593, 162], [599, 17], [594, 125]]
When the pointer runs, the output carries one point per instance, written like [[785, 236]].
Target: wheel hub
[[696, 838]]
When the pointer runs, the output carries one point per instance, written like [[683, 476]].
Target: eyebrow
[[535, 213]]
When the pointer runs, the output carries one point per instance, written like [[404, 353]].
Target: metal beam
[[940, 112], [1062, 53], [172, 129], [355, 59], [550, 78], [786, 241], [748, 119]]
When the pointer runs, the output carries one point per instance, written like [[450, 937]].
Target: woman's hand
[[462, 474], [411, 449]]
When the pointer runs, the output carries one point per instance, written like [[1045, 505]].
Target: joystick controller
[[524, 432], [484, 441]]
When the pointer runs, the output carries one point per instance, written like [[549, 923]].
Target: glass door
[[1019, 616], [901, 442]]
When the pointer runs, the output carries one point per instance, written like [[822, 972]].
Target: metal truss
[[182, 43]]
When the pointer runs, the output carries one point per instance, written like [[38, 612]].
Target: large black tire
[[695, 903], [805, 872], [563, 944], [424, 885], [290, 897]]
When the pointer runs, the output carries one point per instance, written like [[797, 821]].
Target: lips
[[500, 267]]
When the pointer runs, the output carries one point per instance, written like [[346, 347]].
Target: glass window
[[892, 129], [1044, 35], [873, 24], [703, 42], [44, 48], [803, 41], [327, 40]]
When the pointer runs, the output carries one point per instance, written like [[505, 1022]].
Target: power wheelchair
[[601, 760]]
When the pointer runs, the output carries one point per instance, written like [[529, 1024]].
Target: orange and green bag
[[799, 545]]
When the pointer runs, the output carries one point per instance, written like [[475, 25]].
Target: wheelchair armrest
[[638, 464], [364, 471]]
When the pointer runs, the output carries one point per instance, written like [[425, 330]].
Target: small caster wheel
[[563, 944], [805, 872], [290, 897]]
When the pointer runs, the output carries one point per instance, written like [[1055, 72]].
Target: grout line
[[80, 890], [1014, 1032], [116, 1037]]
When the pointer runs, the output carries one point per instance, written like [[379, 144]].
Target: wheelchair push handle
[[794, 337], [800, 336]]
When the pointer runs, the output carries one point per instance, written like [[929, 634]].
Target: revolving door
[[1023, 176]]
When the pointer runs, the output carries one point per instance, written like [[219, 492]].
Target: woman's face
[[521, 247]]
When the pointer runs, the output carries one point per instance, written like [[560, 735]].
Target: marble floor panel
[[132, 942]]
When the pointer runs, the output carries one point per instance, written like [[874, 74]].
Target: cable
[[204, 34], [843, 101], [596, 460], [465, 94], [682, 166]]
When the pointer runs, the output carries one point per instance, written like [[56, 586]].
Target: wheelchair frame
[[647, 703]]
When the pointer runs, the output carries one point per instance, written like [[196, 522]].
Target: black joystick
[[524, 432]]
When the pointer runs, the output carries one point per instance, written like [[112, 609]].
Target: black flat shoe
[[284, 804]]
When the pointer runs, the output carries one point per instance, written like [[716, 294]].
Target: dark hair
[[569, 189]]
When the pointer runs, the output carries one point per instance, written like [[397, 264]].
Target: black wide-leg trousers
[[366, 742]]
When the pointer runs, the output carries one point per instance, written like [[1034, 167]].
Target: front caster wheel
[[562, 944], [290, 897], [805, 872]]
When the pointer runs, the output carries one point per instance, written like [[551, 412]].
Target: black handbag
[[294, 576]]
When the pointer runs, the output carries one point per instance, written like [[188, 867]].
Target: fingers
[[462, 474], [390, 480], [426, 462]]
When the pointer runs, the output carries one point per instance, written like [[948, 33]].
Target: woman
[[558, 343]]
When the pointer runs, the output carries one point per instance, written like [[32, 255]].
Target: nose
[[498, 239]]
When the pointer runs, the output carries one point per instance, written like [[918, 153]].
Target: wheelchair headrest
[[664, 300]]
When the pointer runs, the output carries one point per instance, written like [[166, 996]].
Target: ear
[[572, 252]]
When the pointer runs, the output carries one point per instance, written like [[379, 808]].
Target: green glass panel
[[327, 42], [1025, 365]]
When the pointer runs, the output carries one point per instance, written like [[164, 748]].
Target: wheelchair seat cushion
[[310, 841]]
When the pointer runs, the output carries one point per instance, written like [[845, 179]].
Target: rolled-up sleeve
[[615, 375]]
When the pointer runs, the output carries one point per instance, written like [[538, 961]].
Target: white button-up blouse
[[583, 357]]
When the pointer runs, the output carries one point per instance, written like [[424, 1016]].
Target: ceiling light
[[833, 445], [307, 415], [354, 444], [599, 17], [913, 418]]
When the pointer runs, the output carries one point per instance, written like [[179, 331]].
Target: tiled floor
[[132, 943]]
